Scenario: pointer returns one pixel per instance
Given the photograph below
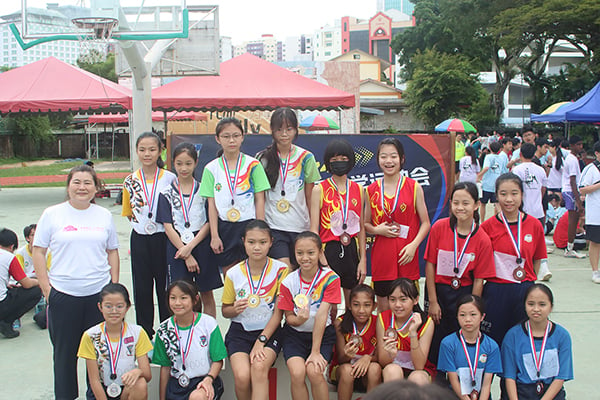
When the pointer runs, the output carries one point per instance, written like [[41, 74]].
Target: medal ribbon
[[393, 324], [283, 168], [312, 284], [472, 366], [263, 275], [344, 205], [184, 352], [536, 360], [186, 209], [231, 184], [458, 257], [113, 356], [516, 242], [396, 196], [149, 199], [356, 332]]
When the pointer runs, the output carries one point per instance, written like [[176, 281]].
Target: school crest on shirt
[[203, 341], [218, 187], [403, 207], [242, 293], [528, 238], [130, 349]]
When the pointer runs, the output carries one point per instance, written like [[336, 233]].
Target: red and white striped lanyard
[[184, 352], [263, 275], [458, 256], [232, 181], [536, 360], [149, 199], [185, 209], [113, 356], [472, 365], [516, 242], [396, 197]]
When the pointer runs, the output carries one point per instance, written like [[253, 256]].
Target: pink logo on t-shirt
[[69, 228], [128, 339]]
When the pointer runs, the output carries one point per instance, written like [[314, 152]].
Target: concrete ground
[[26, 362]]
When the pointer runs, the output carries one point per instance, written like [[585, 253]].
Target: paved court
[[26, 362]]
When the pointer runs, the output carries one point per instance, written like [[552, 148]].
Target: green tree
[[443, 85], [33, 132], [95, 63]]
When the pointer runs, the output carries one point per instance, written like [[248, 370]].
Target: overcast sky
[[249, 19]]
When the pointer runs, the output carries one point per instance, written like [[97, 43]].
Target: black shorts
[[527, 391], [177, 392], [239, 340], [343, 260], [207, 279], [299, 344], [283, 245], [382, 288], [233, 248], [488, 197], [592, 233]]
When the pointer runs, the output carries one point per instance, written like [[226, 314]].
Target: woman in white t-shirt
[[468, 166], [85, 257]]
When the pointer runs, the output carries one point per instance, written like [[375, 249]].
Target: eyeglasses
[[288, 131], [235, 136], [118, 307]]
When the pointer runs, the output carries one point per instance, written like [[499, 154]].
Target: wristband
[[210, 376]]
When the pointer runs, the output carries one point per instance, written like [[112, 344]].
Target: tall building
[[404, 6], [49, 20], [267, 48], [225, 49], [298, 48], [328, 42]]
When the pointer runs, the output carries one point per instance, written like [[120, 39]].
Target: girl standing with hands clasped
[[148, 240], [519, 246], [189, 348], [404, 334], [113, 372], [306, 296], [292, 173], [336, 215], [397, 216], [182, 211], [234, 184], [355, 358], [250, 300], [469, 357], [536, 354], [457, 255]]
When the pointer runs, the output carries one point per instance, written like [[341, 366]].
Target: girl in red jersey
[[336, 215], [457, 255], [355, 359], [397, 216], [404, 334], [519, 246]]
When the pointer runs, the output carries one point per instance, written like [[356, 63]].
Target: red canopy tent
[[53, 85], [247, 82]]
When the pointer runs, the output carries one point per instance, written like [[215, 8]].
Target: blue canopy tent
[[586, 109]]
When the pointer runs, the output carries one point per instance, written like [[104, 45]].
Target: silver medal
[[187, 236], [183, 380], [150, 228], [113, 390]]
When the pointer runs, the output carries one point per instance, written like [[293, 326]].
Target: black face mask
[[339, 168]]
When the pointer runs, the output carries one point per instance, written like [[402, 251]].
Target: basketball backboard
[[192, 28]]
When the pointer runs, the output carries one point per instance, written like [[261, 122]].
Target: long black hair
[[470, 151], [269, 157], [559, 154], [409, 289]]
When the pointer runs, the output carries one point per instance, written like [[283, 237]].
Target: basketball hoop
[[96, 33]]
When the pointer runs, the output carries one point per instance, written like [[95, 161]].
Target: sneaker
[[549, 242], [549, 250], [544, 273], [573, 254], [596, 276], [7, 330]]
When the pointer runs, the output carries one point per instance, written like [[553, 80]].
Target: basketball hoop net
[[94, 42]]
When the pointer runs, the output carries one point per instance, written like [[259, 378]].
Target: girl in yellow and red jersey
[[397, 216], [354, 363], [336, 215]]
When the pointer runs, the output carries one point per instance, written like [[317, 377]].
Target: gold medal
[[301, 300], [283, 206], [253, 301], [233, 215]]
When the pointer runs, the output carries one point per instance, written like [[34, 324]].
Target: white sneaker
[[549, 242], [549, 250], [573, 254], [544, 273], [596, 276]]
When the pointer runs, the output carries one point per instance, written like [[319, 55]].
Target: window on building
[[327, 53]]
